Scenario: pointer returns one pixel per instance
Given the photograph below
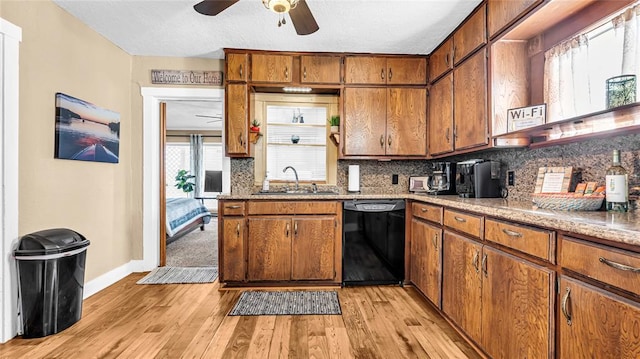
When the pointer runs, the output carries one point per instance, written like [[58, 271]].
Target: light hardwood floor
[[190, 321]]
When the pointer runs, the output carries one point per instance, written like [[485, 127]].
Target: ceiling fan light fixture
[[280, 6]]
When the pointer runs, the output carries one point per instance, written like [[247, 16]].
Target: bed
[[183, 216]]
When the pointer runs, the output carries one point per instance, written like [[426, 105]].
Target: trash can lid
[[50, 241]]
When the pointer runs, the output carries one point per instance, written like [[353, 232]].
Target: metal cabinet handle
[[565, 311], [474, 261], [304, 72], [241, 140], [455, 132], [511, 233], [382, 74], [435, 241], [295, 228], [240, 71], [619, 266], [484, 265], [286, 72], [424, 210], [446, 134], [238, 230], [446, 60], [390, 73], [462, 220], [286, 230], [381, 140], [232, 207], [389, 140]]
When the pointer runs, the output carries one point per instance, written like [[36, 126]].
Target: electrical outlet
[[511, 181], [394, 179]]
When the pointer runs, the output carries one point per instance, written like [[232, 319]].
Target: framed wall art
[[85, 131]]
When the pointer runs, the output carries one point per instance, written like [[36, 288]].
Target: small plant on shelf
[[334, 122], [255, 126]]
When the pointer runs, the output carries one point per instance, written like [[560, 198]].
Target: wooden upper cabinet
[[406, 125], [364, 121], [441, 60], [406, 71], [470, 36], [237, 124], [320, 69], [501, 12], [440, 130], [470, 102], [271, 68], [365, 70], [237, 66]]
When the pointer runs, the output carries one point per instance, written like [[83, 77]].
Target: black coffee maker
[[478, 179], [442, 179]]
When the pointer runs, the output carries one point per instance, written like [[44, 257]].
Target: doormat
[[287, 303], [180, 275]]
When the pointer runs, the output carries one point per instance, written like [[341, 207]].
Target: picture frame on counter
[[553, 179], [521, 118]]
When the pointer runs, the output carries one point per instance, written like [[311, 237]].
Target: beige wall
[[103, 201], [60, 54]]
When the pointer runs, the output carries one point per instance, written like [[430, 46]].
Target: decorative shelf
[[617, 121], [254, 136], [335, 138]]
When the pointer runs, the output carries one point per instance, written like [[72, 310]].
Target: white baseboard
[[97, 284]]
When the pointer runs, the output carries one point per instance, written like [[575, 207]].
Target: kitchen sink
[[297, 192]]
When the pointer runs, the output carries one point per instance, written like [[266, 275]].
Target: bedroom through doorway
[[193, 172]]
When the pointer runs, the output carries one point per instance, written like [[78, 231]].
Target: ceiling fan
[[298, 10]]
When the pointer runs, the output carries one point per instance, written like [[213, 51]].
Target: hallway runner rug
[[180, 275], [287, 303]]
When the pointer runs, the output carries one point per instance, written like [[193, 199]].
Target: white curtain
[[197, 163], [627, 26], [567, 89]]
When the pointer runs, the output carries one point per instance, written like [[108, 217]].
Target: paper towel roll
[[354, 178]]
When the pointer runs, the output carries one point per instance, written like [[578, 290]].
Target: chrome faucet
[[295, 173]]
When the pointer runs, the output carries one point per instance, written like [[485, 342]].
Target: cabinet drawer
[[292, 207], [612, 266], [464, 222], [427, 211], [530, 240], [232, 208]]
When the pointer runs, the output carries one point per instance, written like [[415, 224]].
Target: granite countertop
[[615, 227]]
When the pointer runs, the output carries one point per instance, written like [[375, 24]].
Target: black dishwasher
[[373, 242]]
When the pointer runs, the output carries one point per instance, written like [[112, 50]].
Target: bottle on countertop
[[617, 186], [265, 182]]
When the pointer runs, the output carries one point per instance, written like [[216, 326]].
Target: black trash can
[[50, 280]]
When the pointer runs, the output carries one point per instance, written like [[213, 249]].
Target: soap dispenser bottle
[[265, 182]]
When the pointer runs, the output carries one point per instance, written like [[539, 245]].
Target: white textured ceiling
[[194, 115], [173, 28]]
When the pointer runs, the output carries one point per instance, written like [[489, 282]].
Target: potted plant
[[334, 122], [255, 126], [184, 181]]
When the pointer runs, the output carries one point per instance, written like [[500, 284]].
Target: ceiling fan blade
[[302, 19], [208, 116], [214, 121], [213, 7]]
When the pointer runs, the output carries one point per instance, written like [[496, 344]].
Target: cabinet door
[[502, 12], [406, 122], [441, 116], [271, 68], [232, 247], [237, 125], [364, 121], [517, 303], [470, 36], [426, 266], [406, 71], [462, 283], [320, 69], [237, 67], [441, 60], [601, 324], [269, 248], [470, 102], [313, 246], [365, 70]]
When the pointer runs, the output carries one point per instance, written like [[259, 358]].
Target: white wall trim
[[97, 284], [10, 38], [151, 98]]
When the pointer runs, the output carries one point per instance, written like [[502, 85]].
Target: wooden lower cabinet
[[231, 248], [284, 248], [596, 324], [426, 264], [502, 302]]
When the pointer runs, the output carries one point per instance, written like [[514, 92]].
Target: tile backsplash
[[592, 157]]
